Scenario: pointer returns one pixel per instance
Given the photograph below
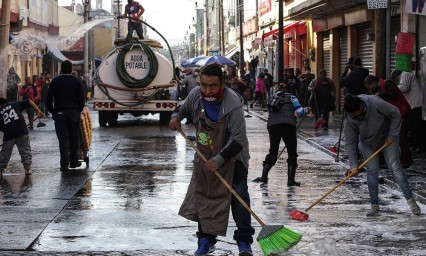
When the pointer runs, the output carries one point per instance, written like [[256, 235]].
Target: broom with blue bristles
[[271, 238]]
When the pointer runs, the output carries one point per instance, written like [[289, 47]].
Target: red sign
[[264, 7]]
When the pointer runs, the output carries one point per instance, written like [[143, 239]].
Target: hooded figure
[[12, 85]]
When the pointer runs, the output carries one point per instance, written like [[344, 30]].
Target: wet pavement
[[126, 202]]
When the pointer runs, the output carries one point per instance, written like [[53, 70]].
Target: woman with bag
[[323, 96]]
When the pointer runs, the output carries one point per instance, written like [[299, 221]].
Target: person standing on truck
[[134, 11], [65, 100], [221, 136]]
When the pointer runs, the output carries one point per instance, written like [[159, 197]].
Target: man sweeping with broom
[[221, 159], [218, 116]]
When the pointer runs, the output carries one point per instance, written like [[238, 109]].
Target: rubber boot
[[265, 171], [414, 207], [292, 175], [374, 210]]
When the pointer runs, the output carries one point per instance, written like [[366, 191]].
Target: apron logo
[[203, 139]]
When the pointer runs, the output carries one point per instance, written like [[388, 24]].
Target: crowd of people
[[378, 114], [64, 97]]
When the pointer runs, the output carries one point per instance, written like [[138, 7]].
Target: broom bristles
[[281, 240]]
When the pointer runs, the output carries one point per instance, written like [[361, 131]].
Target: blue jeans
[[134, 26], [242, 217], [391, 154]]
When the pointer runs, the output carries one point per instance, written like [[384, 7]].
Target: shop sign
[[377, 4]]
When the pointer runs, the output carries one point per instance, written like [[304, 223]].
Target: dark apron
[[208, 200]]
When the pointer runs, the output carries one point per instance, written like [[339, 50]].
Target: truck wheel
[[165, 117], [103, 118], [112, 118]]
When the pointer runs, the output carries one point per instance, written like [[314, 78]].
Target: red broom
[[303, 216]]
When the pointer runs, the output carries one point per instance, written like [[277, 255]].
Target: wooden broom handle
[[349, 176], [223, 180]]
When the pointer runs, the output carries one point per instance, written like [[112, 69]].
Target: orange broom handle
[[223, 180], [349, 176]]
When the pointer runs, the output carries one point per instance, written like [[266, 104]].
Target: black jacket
[[354, 81], [65, 93]]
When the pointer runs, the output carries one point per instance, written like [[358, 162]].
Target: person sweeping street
[[374, 122], [282, 125], [218, 117], [15, 130]]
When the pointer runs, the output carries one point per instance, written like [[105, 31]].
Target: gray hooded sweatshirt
[[232, 106], [382, 121]]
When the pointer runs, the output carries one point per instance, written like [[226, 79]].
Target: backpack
[[275, 101]]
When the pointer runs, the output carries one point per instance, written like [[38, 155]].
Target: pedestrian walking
[[221, 137], [410, 88], [259, 91], [323, 98], [134, 11], [305, 80], [253, 67], [353, 81], [15, 132], [292, 80], [13, 80], [190, 82], [43, 94], [65, 100], [269, 82], [281, 125], [373, 122], [30, 91]]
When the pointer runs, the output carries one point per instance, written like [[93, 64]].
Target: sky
[[171, 18]]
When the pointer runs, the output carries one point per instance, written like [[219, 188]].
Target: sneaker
[[244, 248], [76, 165], [414, 207], [205, 246], [28, 172], [374, 211], [259, 179]]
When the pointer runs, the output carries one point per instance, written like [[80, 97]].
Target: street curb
[[304, 137]]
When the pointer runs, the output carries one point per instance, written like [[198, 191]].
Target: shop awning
[[286, 29], [57, 55], [232, 52]]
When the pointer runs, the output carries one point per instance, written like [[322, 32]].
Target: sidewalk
[[325, 140]]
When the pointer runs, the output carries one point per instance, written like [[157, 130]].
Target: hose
[[126, 78]]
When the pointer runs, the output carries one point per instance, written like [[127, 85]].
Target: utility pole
[[222, 17], [240, 17], [388, 39], [206, 50], [86, 75], [4, 42], [118, 3], [280, 67]]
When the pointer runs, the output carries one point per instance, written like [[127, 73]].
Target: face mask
[[213, 98], [195, 73]]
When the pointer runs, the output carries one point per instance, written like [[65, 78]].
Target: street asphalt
[[326, 141]]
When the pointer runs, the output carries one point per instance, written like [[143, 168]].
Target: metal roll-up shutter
[[343, 59], [395, 29], [365, 46], [326, 52]]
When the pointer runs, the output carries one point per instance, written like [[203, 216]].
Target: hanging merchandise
[[405, 43], [403, 62]]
